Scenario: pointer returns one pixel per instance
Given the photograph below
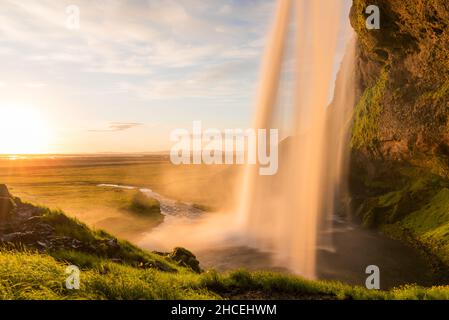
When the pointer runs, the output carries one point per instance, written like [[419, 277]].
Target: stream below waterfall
[[355, 248]]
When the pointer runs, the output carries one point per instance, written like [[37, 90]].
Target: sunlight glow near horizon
[[23, 131], [159, 64]]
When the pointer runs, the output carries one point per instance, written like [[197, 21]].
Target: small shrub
[[143, 205]]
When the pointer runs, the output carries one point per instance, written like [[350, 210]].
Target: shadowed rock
[[7, 203], [185, 258]]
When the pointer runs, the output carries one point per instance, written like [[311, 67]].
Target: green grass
[[143, 275], [34, 276], [71, 227], [124, 251], [430, 224], [25, 275], [417, 207], [81, 259]]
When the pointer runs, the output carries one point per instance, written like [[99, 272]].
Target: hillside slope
[[37, 245]]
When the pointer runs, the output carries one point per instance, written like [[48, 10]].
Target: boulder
[[185, 258]]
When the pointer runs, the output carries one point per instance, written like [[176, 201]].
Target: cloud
[[133, 37], [34, 85], [223, 81], [164, 49], [119, 126]]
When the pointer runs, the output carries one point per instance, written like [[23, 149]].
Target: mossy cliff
[[404, 81], [400, 136]]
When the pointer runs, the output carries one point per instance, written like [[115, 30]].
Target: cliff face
[[403, 79], [400, 137]]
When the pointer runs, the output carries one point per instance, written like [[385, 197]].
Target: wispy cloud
[[118, 126], [172, 34], [34, 85], [222, 80]]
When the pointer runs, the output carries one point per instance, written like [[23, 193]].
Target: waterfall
[[290, 214]]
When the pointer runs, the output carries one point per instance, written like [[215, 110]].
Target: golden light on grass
[[22, 130]]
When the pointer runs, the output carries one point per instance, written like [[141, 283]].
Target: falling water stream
[[285, 213]]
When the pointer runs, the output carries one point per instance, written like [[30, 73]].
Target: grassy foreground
[[116, 269], [124, 271], [26, 275]]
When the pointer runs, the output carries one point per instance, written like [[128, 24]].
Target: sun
[[22, 131]]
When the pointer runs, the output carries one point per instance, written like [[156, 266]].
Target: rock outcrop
[[7, 204], [185, 258], [25, 226], [400, 138], [403, 72]]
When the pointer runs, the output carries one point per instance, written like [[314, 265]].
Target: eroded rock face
[[7, 203], [403, 72]]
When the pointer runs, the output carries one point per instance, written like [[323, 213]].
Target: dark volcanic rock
[[20, 237], [185, 258], [7, 203]]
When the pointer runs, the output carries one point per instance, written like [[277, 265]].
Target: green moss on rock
[[415, 211], [430, 224], [365, 132], [411, 116]]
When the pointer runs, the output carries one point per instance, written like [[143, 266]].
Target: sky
[[132, 72]]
